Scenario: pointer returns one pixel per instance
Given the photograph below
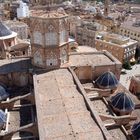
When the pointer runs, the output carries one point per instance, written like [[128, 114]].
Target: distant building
[[123, 48], [90, 8], [23, 10], [130, 28], [11, 46], [74, 21], [13, 9], [45, 2], [85, 35], [4, 14], [19, 27]]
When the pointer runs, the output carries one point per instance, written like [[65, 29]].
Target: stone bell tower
[[49, 39]]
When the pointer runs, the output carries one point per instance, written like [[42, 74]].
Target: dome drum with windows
[[49, 38]]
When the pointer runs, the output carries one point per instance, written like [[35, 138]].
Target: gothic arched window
[[37, 36], [38, 58], [51, 36]]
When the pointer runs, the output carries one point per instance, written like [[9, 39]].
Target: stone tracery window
[[38, 58], [51, 36], [37, 37]]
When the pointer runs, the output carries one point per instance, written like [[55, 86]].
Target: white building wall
[[23, 10]]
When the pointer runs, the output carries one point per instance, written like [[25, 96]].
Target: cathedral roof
[[3, 94], [136, 130], [2, 117], [107, 80], [4, 30], [122, 102], [26, 1]]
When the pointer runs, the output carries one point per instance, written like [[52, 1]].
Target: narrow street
[[125, 78]]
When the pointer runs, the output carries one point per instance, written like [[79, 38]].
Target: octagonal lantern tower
[[49, 39]]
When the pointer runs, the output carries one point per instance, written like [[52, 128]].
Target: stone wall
[[135, 85], [19, 79], [88, 73], [15, 72]]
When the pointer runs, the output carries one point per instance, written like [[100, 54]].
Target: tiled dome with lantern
[[122, 102], [107, 81]]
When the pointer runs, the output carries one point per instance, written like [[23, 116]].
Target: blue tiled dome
[[3, 94], [2, 118], [136, 131], [4, 30], [26, 1], [107, 80], [122, 102]]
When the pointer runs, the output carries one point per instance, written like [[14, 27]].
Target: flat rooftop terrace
[[116, 39], [61, 109], [129, 25], [91, 59]]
